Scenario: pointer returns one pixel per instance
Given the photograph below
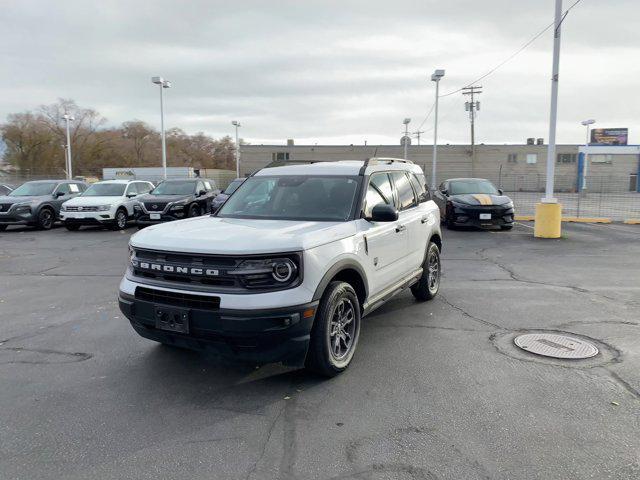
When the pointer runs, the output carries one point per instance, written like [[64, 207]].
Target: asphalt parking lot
[[436, 390]]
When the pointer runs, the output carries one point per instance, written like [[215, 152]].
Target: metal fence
[[613, 197]]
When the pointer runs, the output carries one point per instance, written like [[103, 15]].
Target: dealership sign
[[609, 136]]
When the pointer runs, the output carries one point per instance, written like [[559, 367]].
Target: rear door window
[[419, 186], [406, 197]]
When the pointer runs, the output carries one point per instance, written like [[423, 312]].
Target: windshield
[[318, 198], [233, 186], [33, 189], [175, 188], [105, 190], [462, 187]]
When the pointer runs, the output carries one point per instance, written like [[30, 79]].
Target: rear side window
[[419, 186], [379, 192], [406, 197]]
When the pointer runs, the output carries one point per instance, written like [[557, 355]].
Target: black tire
[[72, 227], [506, 227], [194, 211], [46, 219], [120, 220], [338, 313], [429, 283], [3, 228]]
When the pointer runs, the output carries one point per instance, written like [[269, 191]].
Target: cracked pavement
[[436, 390]]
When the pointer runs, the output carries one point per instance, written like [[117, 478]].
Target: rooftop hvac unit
[[540, 141], [531, 141], [290, 142]]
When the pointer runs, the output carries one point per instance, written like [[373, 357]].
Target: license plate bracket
[[172, 319], [485, 216], [154, 216]]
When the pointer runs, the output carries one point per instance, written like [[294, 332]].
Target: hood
[[162, 198], [480, 199], [92, 201], [31, 198], [233, 236]]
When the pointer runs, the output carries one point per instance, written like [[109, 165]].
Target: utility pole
[[436, 76], [68, 118], [417, 134], [406, 139], [236, 124], [472, 107]]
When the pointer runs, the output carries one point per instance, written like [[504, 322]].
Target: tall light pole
[[435, 77], [406, 139], [68, 118], [162, 83], [236, 124], [548, 219], [585, 166]]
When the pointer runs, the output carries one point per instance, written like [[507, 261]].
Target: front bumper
[[257, 336], [17, 219], [87, 218], [144, 219], [470, 216]]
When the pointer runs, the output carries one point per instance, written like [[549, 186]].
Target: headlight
[[132, 253], [508, 205], [24, 207], [178, 206], [104, 208], [268, 272], [63, 208]]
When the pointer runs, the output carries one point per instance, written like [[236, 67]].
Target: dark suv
[[174, 200], [37, 203]]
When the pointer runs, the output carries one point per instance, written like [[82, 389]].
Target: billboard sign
[[609, 136]]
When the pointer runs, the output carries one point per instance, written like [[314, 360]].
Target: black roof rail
[[381, 160], [284, 163]]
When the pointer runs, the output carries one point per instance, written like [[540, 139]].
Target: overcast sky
[[326, 72]]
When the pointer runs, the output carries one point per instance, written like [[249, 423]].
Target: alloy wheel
[[342, 329]]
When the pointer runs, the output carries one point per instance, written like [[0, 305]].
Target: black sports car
[[473, 202], [174, 200]]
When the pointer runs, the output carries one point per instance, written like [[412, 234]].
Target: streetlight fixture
[[162, 83], [406, 139], [435, 77], [236, 124], [68, 118], [585, 167]]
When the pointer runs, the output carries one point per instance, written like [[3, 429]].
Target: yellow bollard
[[548, 220]]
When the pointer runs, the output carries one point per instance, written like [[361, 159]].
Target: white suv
[[287, 268], [110, 203]]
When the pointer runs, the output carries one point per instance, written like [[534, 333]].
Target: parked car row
[[110, 203]]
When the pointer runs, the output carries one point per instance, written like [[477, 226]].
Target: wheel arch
[[347, 271], [437, 239]]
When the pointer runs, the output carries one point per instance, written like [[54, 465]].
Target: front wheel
[[46, 217], [335, 331], [120, 222], [429, 283], [506, 227], [194, 211]]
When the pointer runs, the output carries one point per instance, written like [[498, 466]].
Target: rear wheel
[[194, 211], [429, 283], [335, 331], [120, 221], [72, 227], [46, 217]]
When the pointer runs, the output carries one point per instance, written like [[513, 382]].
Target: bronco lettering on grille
[[165, 268]]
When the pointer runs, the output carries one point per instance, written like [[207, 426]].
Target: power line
[[510, 57]]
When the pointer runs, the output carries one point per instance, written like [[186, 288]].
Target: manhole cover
[[554, 345]]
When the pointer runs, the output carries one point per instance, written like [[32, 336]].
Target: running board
[[391, 291]]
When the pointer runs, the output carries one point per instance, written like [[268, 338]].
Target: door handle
[[424, 219], [400, 228]]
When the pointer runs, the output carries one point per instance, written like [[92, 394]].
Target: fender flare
[[340, 265]]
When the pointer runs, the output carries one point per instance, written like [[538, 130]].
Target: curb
[[632, 221]]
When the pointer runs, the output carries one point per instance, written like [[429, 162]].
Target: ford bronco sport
[[287, 268]]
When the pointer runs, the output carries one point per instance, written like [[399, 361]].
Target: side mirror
[[500, 191], [202, 192], [444, 191], [131, 195], [58, 194], [384, 213]]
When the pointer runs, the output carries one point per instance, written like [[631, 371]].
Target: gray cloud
[[324, 71]]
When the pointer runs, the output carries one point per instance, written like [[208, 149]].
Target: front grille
[[182, 300], [4, 207], [208, 271], [82, 209], [155, 206]]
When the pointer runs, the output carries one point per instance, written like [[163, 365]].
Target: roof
[[121, 181], [464, 179], [340, 167]]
